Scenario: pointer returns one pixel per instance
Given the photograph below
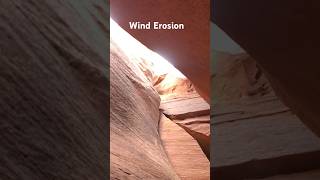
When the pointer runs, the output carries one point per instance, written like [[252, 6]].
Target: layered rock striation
[[135, 146], [54, 89]]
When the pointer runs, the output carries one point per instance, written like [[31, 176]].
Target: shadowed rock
[[54, 89], [282, 36], [254, 134]]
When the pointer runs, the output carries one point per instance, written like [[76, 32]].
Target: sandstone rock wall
[[183, 150], [136, 148], [54, 89], [139, 76]]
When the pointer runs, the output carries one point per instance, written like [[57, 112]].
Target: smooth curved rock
[[136, 150]]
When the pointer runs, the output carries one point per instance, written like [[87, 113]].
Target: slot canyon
[[173, 124], [164, 123]]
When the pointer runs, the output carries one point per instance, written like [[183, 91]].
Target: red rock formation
[[191, 113], [187, 50], [136, 150], [169, 87], [183, 151], [187, 107]]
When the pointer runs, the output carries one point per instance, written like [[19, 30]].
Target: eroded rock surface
[[135, 146], [254, 135], [184, 152], [140, 66], [200, 124], [54, 89], [170, 87], [190, 112]]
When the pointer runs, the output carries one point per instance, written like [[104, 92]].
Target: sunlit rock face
[[164, 77], [136, 149], [54, 89], [169, 82], [170, 87]]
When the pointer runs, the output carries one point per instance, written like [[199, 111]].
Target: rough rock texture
[[54, 89], [136, 148], [186, 49], [183, 151], [254, 134], [283, 37]]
